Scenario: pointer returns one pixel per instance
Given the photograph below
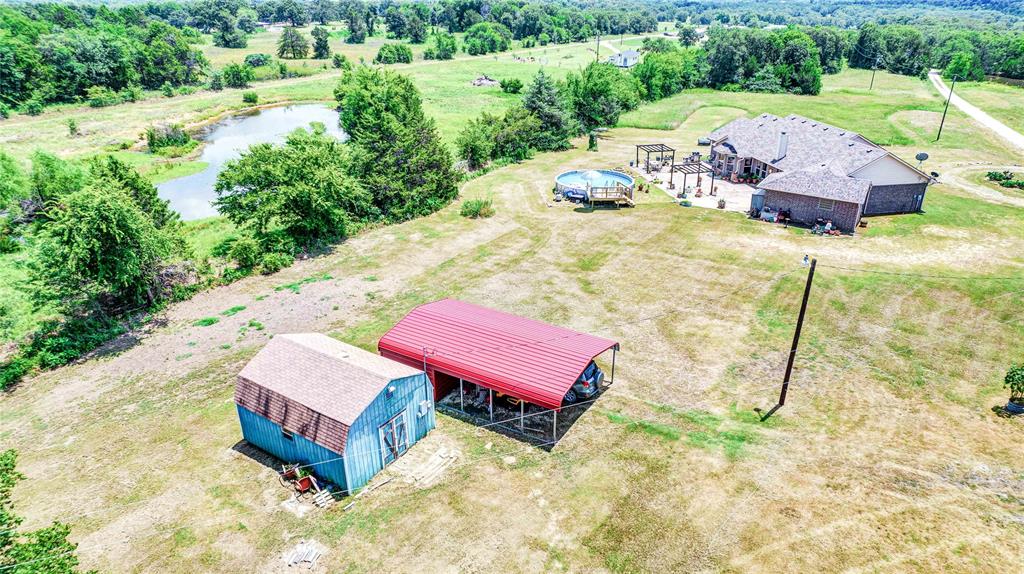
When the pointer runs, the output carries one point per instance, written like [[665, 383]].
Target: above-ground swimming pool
[[585, 179]]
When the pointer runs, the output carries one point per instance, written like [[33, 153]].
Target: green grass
[[206, 321], [1001, 101], [951, 211], [296, 287], [233, 310], [651, 428]]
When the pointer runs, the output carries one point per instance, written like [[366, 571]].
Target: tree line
[[104, 249]]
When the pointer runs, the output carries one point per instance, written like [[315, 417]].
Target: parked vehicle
[[587, 385]]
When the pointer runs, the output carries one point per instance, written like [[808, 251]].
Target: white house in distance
[[625, 59], [816, 170]]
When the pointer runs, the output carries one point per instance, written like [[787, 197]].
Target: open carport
[[467, 349]]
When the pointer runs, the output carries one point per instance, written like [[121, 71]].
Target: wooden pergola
[[654, 148], [691, 168]]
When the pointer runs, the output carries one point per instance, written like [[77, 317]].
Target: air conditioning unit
[[423, 409]]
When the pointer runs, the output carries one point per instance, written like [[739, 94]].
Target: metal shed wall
[[364, 456], [269, 436]]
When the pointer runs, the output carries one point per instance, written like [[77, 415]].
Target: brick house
[[816, 170]]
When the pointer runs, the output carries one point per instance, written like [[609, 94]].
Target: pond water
[[192, 196]]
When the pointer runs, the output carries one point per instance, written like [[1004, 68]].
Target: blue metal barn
[[311, 399]]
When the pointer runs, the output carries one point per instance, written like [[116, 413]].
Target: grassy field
[[886, 458], [1003, 102]]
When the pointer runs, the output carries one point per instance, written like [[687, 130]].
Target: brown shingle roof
[[826, 181], [811, 142], [315, 385]]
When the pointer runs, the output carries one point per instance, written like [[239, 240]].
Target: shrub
[[158, 137], [1015, 382], [72, 127], [34, 107], [167, 89], [101, 97], [274, 262], [245, 252], [216, 81], [250, 97], [12, 371], [131, 93], [999, 175], [5, 111], [477, 208], [257, 60], [237, 75], [341, 62], [511, 85], [393, 54]]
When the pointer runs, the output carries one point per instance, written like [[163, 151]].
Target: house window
[[287, 434], [826, 204]]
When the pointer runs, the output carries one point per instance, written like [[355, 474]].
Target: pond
[[192, 196]]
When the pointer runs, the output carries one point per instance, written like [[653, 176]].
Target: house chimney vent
[[783, 144]]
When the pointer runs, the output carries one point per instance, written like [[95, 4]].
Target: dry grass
[[887, 456]]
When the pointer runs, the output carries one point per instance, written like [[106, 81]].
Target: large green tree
[[292, 44], [304, 187], [557, 125], [400, 157], [600, 93], [99, 247], [321, 48]]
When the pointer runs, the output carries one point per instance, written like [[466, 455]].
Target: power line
[[923, 275]]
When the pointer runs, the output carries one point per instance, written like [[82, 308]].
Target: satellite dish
[[935, 174], [921, 156]]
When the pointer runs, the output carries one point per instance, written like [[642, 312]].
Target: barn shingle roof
[[314, 385]]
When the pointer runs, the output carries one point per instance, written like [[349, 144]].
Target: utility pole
[[946, 109], [597, 52], [873, 68], [796, 342]]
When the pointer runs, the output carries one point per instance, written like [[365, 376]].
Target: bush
[[245, 252], [999, 175], [72, 127], [131, 93], [167, 89], [393, 54], [237, 75], [257, 60], [1015, 382], [250, 97], [216, 81], [341, 62], [444, 48], [511, 85], [274, 262], [477, 208], [158, 137], [101, 97], [5, 111], [34, 107]]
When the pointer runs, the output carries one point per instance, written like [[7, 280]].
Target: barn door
[[394, 439]]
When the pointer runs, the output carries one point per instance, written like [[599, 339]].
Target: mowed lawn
[[1001, 101], [887, 456]]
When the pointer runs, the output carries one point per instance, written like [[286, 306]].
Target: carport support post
[[490, 405], [554, 425], [615, 350], [522, 411], [462, 397]]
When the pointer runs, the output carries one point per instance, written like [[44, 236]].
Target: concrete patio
[[736, 195]]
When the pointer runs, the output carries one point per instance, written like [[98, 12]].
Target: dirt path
[[1003, 130], [956, 177]]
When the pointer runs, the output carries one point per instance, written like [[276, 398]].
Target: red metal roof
[[528, 359]]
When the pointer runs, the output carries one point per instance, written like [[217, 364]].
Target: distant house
[[348, 413], [816, 170], [625, 59]]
